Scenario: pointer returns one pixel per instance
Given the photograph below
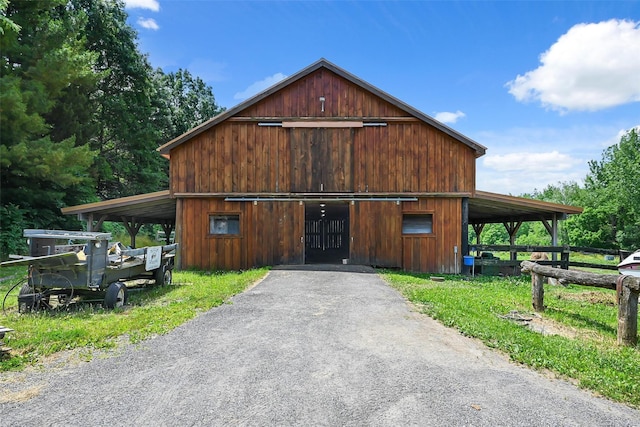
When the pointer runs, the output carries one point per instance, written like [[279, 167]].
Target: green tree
[[187, 101], [611, 218], [567, 193], [6, 24], [42, 167], [492, 234], [127, 134]]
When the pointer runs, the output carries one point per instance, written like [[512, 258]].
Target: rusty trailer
[[69, 265]]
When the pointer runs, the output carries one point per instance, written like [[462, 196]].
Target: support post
[[627, 315], [464, 245], [537, 292], [91, 225], [167, 227], [478, 229], [512, 228], [133, 228]]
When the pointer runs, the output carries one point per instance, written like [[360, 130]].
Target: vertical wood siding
[[376, 231], [434, 252], [401, 157], [238, 156], [342, 99], [269, 234]]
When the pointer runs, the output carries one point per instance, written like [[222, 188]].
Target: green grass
[[589, 356], [150, 312]]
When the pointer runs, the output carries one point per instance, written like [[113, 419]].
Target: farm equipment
[[70, 265]]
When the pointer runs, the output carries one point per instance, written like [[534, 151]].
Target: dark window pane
[[417, 224]]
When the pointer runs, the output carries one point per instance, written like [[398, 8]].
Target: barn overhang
[[160, 207], [133, 211], [488, 208]]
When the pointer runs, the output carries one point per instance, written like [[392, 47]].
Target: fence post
[[627, 315], [537, 291], [564, 258]]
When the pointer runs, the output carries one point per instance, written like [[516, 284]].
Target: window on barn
[[220, 225], [417, 224]]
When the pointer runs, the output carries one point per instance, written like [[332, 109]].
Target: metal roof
[[322, 63], [487, 207], [151, 208]]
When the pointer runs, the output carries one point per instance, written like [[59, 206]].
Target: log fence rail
[[627, 288]]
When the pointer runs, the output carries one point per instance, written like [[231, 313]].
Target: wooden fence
[[627, 288], [560, 257]]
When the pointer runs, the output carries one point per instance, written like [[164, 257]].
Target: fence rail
[[564, 262], [627, 289]]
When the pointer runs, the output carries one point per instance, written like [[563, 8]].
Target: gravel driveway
[[305, 347]]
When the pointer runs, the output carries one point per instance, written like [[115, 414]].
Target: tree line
[[82, 112], [610, 197]]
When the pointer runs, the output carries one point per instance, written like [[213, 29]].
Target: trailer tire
[[116, 296], [26, 305], [163, 276], [33, 302]]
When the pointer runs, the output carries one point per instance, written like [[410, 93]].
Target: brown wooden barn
[[321, 168]]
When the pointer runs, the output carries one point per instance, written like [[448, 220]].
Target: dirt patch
[[20, 395], [606, 298], [542, 325]]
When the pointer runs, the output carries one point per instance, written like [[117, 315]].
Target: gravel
[[305, 346]]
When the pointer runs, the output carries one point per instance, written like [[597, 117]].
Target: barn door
[[326, 228], [321, 160]]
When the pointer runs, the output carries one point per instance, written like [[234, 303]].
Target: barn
[[321, 168]]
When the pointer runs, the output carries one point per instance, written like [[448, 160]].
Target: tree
[[42, 167], [127, 135], [611, 218], [82, 111], [567, 193], [6, 24], [187, 100]]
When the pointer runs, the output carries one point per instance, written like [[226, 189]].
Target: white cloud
[[148, 23], [520, 160], [208, 70], [591, 67], [530, 162], [143, 4], [448, 117], [259, 86]]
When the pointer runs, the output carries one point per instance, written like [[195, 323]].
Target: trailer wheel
[[26, 303], [29, 299], [116, 295], [163, 276]]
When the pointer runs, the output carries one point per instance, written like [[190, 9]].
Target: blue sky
[[546, 86]]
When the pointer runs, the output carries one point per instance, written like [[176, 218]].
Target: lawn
[[152, 311], [586, 318]]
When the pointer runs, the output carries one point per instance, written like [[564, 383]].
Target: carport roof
[[484, 207], [150, 208]]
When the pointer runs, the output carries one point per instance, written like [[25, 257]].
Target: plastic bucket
[[468, 260]]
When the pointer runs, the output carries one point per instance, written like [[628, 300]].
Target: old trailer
[[68, 265]]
